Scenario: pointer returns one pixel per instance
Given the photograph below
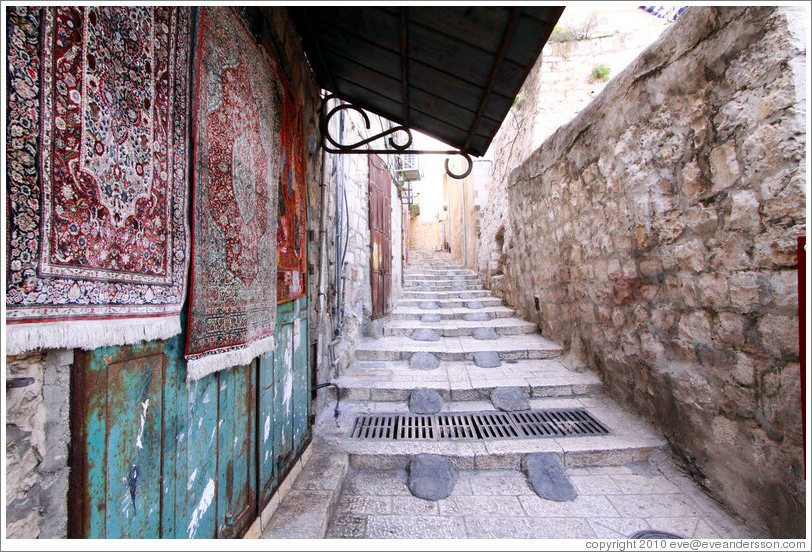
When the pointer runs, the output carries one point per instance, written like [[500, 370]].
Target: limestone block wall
[[424, 235], [655, 236], [37, 439]]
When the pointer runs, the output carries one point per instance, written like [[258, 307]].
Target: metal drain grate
[[478, 425]]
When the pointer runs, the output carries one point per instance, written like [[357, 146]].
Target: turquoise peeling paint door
[[284, 401], [217, 454], [122, 420]]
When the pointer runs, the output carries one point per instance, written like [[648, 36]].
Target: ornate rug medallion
[[232, 307]]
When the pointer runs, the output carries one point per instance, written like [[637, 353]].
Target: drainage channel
[[478, 425]]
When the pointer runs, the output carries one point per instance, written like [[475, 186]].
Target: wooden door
[[156, 456], [284, 397], [122, 420], [380, 230]]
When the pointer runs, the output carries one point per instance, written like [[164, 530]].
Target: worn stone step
[[509, 347], [449, 268], [467, 295], [457, 328], [451, 285], [305, 510], [631, 440], [463, 380], [434, 287], [452, 303], [458, 313]]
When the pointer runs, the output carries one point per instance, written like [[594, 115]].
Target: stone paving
[[472, 353], [612, 502]]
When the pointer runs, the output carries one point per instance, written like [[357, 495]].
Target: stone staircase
[[464, 354], [448, 334]]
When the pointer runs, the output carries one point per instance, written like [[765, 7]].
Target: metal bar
[[497, 66], [404, 66]]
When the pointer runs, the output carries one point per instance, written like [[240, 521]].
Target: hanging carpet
[[97, 155], [291, 281], [234, 214]]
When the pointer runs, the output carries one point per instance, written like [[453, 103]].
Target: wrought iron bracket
[[400, 146]]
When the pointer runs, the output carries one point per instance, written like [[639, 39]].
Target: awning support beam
[[331, 145]]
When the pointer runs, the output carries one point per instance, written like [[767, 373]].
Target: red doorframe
[[802, 332]]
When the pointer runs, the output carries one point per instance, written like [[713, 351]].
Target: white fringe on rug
[[197, 368], [88, 334]]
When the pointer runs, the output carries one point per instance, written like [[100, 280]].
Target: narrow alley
[[457, 375]]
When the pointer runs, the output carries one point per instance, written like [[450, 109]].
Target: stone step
[[305, 510], [416, 313], [410, 284], [457, 328], [468, 295], [444, 274], [631, 440], [385, 381], [509, 347], [434, 287], [451, 303]]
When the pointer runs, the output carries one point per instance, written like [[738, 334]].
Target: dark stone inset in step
[[487, 359], [485, 333], [654, 534], [429, 305], [547, 477], [431, 318], [423, 361], [431, 477], [425, 401], [477, 316], [510, 399], [475, 305], [424, 334]]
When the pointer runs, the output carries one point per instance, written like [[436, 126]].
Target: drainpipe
[[464, 232], [322, 259]]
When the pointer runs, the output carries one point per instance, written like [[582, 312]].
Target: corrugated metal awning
[[449, 72]]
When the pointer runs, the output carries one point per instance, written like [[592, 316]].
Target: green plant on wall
[[600, 73], [414, 209]]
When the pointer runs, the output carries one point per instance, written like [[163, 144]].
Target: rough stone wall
[[511, 145], [555, 91], [286, 45], [658, 233], [37, 439]]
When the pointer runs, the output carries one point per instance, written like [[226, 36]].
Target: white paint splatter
[[206, 398], [297, 330], [144, 407], [288, 389], [267, 431], [266, 456], [191, 480], [200, 510]]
